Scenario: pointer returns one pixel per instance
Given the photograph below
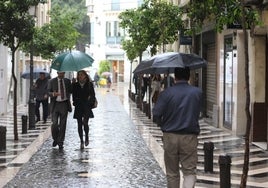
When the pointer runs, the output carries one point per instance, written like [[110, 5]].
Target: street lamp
[[31, 102]]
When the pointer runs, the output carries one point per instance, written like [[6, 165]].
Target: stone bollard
[[225, 171], [24, 123], [3, 132], [132, 96], [208, 156]]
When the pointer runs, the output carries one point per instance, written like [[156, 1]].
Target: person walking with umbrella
[[41, 94], [59, 89], [177, 112], [83, 94]]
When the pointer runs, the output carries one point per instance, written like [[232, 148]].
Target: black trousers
[[45, 109]]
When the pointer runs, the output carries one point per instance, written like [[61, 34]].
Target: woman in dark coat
[[83, 92]]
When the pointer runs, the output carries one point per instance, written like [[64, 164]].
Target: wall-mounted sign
[[185, 40]]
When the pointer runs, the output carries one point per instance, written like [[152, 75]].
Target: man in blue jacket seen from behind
[[177, 112]]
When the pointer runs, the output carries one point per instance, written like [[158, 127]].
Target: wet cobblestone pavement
[[124, 147], [116, 156]]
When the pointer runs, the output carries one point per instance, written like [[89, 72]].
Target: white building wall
[[3, 79], [100, 13]]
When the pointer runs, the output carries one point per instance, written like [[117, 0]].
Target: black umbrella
[[144, 67], [36, 72], [167, 62]]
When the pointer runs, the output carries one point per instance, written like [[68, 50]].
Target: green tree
[[164, 21], [131, 21], [56, 36], [154, 24], [82, 22], [16, 27], [104, 66], [131, 52], [224, 13]]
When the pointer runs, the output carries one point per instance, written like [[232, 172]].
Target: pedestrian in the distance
[[41, 94], [83, 93], [96, 79], [167, 83], [136, 82], [177, 112], [60, 89], [109, 82]]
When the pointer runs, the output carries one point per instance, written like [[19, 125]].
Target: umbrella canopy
[[144, 67], [167, 62], [72, 61], [106, 74], [36, 72]]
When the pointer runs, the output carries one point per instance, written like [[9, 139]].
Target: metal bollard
[[3, 132], [144, 106], [225, 171], [24, 123], [31, 114], [208, 156]]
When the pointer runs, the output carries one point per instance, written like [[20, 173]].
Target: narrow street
[[125, 150]]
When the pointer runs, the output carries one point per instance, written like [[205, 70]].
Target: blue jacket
[[178, 108]]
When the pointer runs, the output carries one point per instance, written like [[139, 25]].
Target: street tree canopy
[[153, 25]]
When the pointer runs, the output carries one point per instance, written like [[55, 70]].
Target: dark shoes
[[86, 143], [54, 144], [82, 145], [60, 146], [37, 120], [45, 121]]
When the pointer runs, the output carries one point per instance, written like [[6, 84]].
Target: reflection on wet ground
[[125, 150]]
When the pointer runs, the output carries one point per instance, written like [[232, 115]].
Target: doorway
[[229, 60]]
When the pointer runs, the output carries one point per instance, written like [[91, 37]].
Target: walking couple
[[82, 90]]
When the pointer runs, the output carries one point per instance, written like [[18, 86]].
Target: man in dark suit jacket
[[59, 89]]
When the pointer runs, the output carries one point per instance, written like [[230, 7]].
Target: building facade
[[106, 35], [223, 81]]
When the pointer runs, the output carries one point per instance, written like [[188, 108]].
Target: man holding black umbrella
[[177, 111]]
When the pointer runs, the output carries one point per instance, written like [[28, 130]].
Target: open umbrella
[[144, 67], [106, 74], [167, 62], [72, 61], [36, 72], [170, 60]]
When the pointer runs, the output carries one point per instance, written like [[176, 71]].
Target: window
[[115, 5], [108, 29]]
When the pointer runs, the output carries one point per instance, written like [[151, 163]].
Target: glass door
[[228, 82]]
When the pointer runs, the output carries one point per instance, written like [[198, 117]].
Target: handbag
[[93, 102]]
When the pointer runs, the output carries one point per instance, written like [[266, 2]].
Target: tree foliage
[[82, 22], [154, 24], [131, 21], [221, 12], [58, 35], [104, 66]]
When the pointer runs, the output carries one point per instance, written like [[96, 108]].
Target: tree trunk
[[14, 97], [244, 176]]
